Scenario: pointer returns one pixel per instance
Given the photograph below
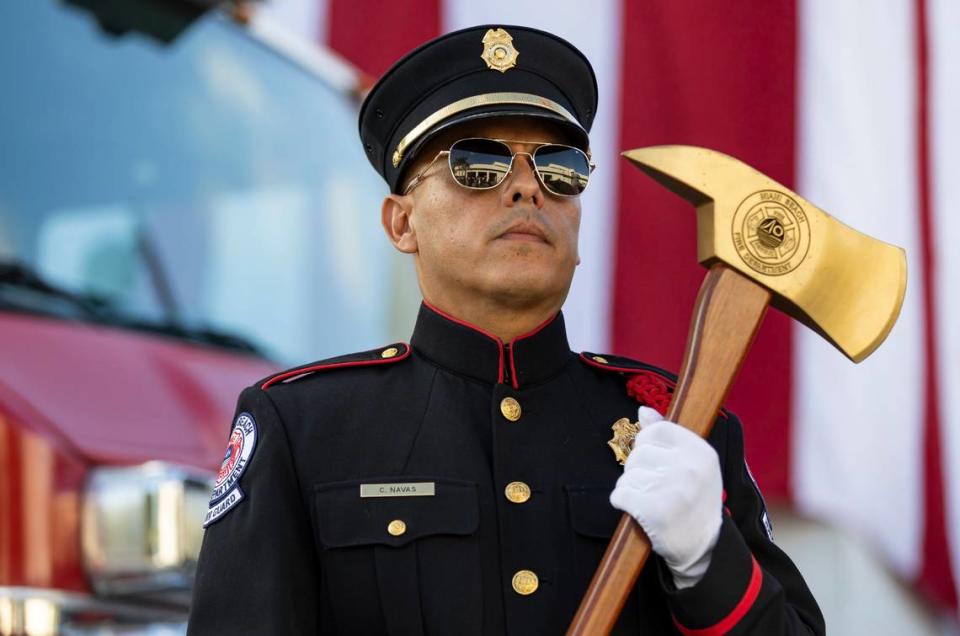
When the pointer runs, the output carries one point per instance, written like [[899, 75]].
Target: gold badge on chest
[[624, 431], [498, 50]]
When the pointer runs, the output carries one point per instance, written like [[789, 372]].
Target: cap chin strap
[[487, 99]]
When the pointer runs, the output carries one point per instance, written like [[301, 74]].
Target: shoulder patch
[[381, 355], [764, 515], [226, 490]]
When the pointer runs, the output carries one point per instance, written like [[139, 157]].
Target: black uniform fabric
[[303, 553]]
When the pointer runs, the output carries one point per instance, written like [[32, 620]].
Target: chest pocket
[[591, 514], [416, 557], [593, 521]]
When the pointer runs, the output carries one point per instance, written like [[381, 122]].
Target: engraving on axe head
[[843, 284]]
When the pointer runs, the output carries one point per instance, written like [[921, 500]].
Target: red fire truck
[[184, 207]]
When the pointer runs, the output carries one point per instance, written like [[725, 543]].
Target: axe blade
[[843, 284]]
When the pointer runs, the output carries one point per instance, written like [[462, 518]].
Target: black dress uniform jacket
[[304, 553]]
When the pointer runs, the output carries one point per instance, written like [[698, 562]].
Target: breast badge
[[624, 431]]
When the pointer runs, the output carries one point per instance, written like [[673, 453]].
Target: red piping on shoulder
[[335, 365], [612, 367], [736, 615], [478, 330]]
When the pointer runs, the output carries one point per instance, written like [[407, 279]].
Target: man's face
[[515, 244]]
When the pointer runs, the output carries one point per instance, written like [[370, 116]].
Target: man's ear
[[395, 216]]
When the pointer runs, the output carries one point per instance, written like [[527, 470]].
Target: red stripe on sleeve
[[736, 615]]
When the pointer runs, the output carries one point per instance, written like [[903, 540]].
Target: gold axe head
[[846, 286]]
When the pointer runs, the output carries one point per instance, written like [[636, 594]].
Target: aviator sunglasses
[[482, 164]]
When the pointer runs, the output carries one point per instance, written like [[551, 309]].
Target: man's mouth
[[525, 232]]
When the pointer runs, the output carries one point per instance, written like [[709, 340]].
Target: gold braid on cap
[[488, 99]]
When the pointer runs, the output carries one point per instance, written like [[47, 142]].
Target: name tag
[[414, 489]]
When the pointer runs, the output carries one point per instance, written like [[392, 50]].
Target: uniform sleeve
[[751, 585], [257, 571]]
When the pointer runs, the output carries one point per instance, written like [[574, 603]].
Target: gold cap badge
[[498, 51], [622, 443]]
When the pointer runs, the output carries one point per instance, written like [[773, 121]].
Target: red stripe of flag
[[936, 575], [375, 35], [720, 75]]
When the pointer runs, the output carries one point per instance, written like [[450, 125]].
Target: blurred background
[[185, 208]]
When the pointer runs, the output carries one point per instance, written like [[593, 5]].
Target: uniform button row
[[517, 492], [525, 582], [510, 409]]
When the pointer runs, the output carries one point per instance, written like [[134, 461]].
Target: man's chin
[[530, 283]]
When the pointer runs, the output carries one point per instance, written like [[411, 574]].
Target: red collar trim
[[474, 328], [464, 323], [514, 381]]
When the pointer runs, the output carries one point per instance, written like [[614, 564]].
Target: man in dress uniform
[[462, 483]]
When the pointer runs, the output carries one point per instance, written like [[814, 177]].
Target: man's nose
[[522, 183]]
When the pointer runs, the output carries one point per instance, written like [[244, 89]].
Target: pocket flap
[[345, 519], [590, 511]]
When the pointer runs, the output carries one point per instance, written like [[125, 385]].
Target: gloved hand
[[671, 484]]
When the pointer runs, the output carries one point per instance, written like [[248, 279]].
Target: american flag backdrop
[[855, 104]]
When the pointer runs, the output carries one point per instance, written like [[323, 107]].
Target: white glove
[[671, 484]]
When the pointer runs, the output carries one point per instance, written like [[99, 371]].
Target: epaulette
[[649, 385], [381, 355], [621, 364]]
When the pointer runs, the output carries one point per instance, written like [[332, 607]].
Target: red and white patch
[[226, 490], [232, 456]]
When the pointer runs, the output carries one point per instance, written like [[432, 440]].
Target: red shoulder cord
[[649, 389]]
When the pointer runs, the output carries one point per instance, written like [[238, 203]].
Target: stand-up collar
[[470, 350]]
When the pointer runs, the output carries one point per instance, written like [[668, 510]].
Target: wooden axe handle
[[728, 313]]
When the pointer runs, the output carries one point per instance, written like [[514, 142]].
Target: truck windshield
[[209, 183]]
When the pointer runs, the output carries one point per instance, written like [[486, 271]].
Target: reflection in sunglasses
[[482, 164]]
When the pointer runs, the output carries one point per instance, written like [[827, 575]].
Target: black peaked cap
[[428, 90]]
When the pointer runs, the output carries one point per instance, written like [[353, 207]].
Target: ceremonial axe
[[764, 245]]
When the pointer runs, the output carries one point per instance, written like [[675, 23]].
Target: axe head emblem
[[843, 284]]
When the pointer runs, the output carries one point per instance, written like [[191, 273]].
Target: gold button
[[517, 492], [396, 527], [600, 359], [525, 582], [510, 409], [389, 353]]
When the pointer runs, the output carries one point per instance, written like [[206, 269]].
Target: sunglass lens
[[564, 170], [479, 163]]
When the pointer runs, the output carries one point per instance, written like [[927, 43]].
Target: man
[[462, 484]]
